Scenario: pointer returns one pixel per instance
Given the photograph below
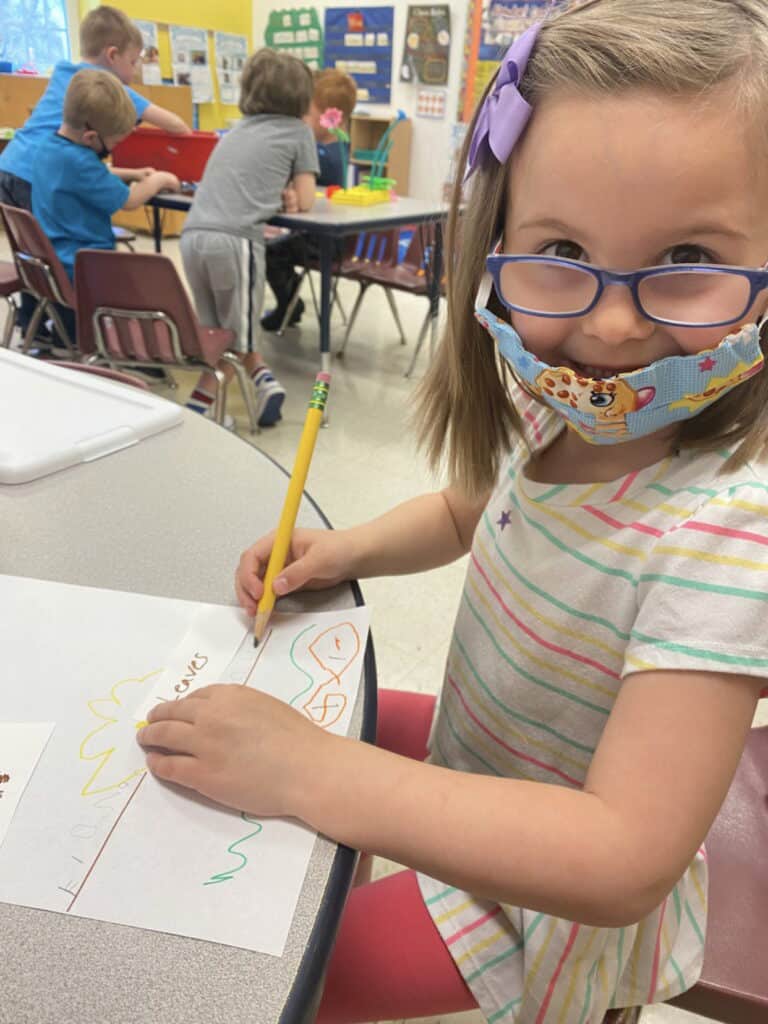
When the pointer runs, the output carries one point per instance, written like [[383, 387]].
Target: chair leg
[[419, 343], [337, 300], [395, 314], [352, 318], [292, 304], [315, 303], [34, 323], [220, 401], [9, 322], [63, 332], [244, 380]]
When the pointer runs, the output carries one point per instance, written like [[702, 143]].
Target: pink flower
[[331, 118]]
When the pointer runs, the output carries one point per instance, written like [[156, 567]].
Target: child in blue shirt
[[74, 195], [109, 41]]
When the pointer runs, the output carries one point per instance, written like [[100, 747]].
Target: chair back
[[37, 265], [133, 306], [734, 982]]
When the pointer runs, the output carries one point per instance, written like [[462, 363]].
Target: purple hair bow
[[504, 113]]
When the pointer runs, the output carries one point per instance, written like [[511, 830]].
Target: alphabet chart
[[93, 833]]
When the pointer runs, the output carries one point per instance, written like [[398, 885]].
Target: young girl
[[222, 244], [610, 645]]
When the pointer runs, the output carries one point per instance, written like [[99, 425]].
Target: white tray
[[52, 417]]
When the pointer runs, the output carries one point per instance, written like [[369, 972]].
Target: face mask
[[633, 404]]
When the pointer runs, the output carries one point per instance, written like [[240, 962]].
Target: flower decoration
[[331, 119]]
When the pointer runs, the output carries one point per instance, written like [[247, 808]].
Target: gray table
[[168, 517], [329, 221]]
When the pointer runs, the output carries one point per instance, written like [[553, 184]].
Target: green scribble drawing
[[311, 683], [225, 876]]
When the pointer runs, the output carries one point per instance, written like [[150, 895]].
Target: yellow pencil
[[282, 540]]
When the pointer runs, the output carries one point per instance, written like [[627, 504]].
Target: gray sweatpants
[[226, 276]]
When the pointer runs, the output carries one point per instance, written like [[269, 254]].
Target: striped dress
[[569, 589]]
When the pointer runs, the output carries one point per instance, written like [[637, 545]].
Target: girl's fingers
[[177, 737]]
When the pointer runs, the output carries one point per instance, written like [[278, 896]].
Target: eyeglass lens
[[685, 297]]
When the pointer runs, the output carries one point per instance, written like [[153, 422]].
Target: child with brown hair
[[332, 89], [222, 244], [610, 644], [74, 194], [109, 41]]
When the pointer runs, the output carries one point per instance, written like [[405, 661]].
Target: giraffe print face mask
[[637, 403]]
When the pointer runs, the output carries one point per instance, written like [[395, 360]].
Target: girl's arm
[[420, 534], [605, 855], [165, 119]]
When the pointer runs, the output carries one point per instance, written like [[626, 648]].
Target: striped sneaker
[[269, 394]]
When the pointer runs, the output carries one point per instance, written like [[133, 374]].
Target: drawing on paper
[[116, 731], [331, 651], [226, 876]]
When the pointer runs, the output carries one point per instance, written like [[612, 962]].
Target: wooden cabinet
[[365, 133], [19, 95]]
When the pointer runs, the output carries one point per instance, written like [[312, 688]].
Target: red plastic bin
[[182, 155]]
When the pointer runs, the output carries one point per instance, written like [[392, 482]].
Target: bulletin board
[[358, 40], [492, 26], [298, 32]]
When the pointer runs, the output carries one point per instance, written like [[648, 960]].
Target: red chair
[[133, 310], [410, 276], [375, 250], [733, 987], [10, 283], [104, 371], [40, 271]]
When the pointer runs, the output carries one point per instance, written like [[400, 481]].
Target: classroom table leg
[[326, 266], [156, 229], [436, 275]]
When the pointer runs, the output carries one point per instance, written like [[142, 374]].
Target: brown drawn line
[[259, 653], [108, 837]]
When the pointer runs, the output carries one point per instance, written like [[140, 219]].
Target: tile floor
[[365, 462]]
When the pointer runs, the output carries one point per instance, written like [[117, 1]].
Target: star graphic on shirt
[[707, 364], [504, 520]]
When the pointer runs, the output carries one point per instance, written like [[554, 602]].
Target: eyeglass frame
[[758, 280]]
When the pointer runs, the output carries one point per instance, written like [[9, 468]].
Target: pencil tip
[[255, 641]]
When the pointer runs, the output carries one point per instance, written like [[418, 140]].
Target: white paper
[[189, 56], [21, 744], [96, 835]]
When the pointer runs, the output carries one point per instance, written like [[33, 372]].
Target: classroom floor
[[365, 462]]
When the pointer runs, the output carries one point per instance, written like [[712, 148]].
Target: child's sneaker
[[270, 395]]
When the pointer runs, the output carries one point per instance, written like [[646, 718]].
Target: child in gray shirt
[[222, 245]]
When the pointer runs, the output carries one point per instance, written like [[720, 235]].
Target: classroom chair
[[410, 276], [311, 263], [104, 371], [133, 310], [10, 283], [733, 987], [40, 271]]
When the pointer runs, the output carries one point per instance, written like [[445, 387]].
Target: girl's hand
[[237, 746], [316, 559]]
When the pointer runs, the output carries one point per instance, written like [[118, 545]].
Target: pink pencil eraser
[[324, 376]]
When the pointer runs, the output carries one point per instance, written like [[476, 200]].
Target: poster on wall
[[427, 45], [358, 40], [150, 55], [231, 53], [189, 56], [492, 26], [297, 32]]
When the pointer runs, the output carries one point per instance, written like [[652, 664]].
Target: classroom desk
[[168, 517], [329, 221]]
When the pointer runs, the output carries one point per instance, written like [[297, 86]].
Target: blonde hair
[[465, 413], [97, 100], [275, 83], [335, 89], [107, 26]]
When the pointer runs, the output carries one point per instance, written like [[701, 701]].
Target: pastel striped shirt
[[569, 589]]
